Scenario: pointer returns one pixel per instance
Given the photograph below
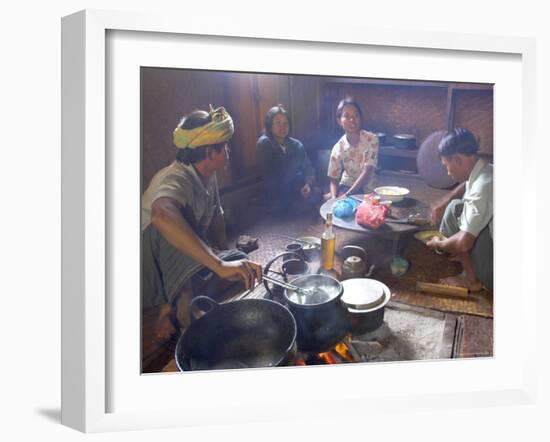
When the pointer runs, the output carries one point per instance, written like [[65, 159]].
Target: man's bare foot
[[473, 285]]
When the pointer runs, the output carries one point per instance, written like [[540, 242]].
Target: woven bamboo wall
[[474, 111], [400, 109], [168, 94]]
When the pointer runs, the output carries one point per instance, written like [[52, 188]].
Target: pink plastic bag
[[370, 213]]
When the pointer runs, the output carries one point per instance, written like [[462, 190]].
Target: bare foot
[[473, 285], [453, 258]]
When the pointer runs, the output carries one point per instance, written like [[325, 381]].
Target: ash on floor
[[408, 335]]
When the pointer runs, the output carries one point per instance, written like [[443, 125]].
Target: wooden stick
[[441, 289]]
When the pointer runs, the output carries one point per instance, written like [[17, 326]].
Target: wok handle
[[196, 301]]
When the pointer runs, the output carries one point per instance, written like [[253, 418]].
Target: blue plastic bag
[[345, 208]]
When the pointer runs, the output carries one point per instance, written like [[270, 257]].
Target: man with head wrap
[[183, 229]]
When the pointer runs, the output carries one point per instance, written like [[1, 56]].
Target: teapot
[[355, 262]]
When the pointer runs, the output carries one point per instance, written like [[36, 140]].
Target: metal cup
[[294, 267], [296, 248]]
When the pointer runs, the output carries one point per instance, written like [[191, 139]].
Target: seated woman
[[287, 173], [354, 157]]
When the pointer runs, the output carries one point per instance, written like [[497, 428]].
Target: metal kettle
[[355, 262]]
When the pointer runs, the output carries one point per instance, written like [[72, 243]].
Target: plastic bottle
[[328, 243]]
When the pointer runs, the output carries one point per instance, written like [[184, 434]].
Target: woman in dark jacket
[[287, 173]]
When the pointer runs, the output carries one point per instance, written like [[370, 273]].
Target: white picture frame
[[89, 190]]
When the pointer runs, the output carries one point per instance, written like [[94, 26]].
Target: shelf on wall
[[393, 151], [413, 83], [399, 173]]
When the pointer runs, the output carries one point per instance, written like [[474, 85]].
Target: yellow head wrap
[[219, 130]]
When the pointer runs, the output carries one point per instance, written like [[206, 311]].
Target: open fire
[[342, 352]]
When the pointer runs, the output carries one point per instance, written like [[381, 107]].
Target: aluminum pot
[[365, 300], [321, 318]]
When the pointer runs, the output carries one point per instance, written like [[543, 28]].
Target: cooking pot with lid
[[365, 300]]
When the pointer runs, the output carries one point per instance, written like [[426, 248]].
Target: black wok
[[248, 333]]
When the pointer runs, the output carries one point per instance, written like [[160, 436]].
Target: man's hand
[[243, 269], [438, 207], [164, 327], [434, 243], [436, 213]]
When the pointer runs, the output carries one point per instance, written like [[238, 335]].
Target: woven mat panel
[[427, 266], [479, 304]]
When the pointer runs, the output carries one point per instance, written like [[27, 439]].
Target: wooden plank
[[450, 108], [476, 337], [419, 83], [447, 341], [399, 174], [441, 289]]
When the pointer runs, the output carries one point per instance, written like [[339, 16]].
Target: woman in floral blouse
[[354, 157]]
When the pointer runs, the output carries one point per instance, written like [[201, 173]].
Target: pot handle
[[268, 266], [197, 301]]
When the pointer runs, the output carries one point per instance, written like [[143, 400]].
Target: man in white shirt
[[466, 213]]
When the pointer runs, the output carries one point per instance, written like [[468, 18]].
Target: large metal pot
[[321, 317], [248, 333]]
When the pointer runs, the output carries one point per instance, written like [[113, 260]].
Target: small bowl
[[311, 250], [394, 194]]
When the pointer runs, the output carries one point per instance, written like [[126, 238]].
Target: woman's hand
[[243, 269], [305, 191]]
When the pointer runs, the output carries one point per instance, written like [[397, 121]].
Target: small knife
[[411, 220]]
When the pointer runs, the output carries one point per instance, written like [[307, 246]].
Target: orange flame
[[328, 358], [343, 350]]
